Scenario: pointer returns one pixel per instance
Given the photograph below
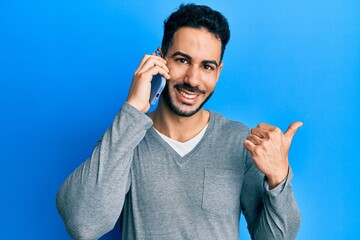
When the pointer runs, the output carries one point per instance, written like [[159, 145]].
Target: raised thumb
[[290, 132]]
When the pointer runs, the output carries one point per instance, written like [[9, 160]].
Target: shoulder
[[227, 126], [228, 137]]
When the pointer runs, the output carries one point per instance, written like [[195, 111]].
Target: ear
[[160, 50], [219, 71]]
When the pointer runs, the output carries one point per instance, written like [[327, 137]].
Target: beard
[[170, 103]]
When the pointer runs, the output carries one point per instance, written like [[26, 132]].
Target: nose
[[192, 76]]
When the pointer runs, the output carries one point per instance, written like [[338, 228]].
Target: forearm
[[91, 199], [280, 217], [273, 214]]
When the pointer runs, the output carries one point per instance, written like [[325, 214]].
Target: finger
[[266, 126], [151, 63], [153, 60], [290, 132], [146, 58], [270, 131], [157, 70], [249, 146], [254, 139], [164, 73], [159, 57], [143, 60], [258, 132]]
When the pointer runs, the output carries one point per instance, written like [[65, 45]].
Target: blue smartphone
[[157, 85]]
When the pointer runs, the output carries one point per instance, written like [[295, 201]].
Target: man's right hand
[[139, 93]]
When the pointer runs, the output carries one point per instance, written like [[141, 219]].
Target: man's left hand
[[269, 148]]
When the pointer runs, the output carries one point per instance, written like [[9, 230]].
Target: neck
[[177, 127]]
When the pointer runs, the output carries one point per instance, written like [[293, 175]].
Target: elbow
[[291, 228], [81, 224], [296, 225], [287, 229], [85, 229]]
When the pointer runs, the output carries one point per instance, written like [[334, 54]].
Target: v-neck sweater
[[162, 195], [183, 148]]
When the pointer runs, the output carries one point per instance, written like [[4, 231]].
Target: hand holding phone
[[148, 82], [158, 83]]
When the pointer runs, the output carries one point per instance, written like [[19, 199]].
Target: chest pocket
[[222, 189]]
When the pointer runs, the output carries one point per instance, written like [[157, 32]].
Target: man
[[182, 172]]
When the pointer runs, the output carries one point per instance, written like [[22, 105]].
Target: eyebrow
[[178, 53], [211, 62]]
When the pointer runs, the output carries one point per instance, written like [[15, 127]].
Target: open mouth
[[187, 95]]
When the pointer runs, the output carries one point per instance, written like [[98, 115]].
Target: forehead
[[197, 43]]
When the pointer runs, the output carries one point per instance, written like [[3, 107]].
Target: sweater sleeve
[[91, 198], [270, 214]]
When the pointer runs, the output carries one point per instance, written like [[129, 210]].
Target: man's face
[[194, 63]]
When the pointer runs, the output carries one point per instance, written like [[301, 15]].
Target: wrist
[[139, 107], [274, 181]]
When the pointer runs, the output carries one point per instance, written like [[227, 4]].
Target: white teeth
[[187, 95]]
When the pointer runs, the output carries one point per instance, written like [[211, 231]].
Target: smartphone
[[157, 85]]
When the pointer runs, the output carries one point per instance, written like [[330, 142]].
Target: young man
[[182, 172]]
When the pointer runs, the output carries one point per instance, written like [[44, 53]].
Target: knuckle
[[277, 130], [272, 134], [266, 144], [143, 76], [140, 74], [257, 151]]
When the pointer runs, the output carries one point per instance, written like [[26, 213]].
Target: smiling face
[[194, 63]]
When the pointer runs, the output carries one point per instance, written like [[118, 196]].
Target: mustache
[[189, 88]]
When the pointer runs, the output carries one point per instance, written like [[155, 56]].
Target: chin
[[183, 111], [186, 112]]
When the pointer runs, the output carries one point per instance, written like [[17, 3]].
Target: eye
[[182, 60], [208, 67]]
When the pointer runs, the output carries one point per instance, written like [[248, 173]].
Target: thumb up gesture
[[269, 148]]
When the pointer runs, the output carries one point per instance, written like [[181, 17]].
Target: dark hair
[[196, 16]]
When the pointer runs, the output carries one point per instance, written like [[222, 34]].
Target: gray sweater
[[165, 196]]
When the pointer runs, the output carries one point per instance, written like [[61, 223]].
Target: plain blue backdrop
[[66, 67]]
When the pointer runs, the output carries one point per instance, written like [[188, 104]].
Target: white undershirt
[[183, 148]]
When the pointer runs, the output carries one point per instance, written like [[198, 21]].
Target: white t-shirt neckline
[[183, 148]]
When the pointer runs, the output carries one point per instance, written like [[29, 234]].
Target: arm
[[270, 214], [91, 198], [268, 202]]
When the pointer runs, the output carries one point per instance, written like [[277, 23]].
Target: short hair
[[196, 16]]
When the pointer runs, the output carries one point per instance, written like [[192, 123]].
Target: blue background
[[66, 67]]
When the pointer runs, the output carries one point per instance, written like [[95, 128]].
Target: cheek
[[210, 81], [176, 71], [211, 87]]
